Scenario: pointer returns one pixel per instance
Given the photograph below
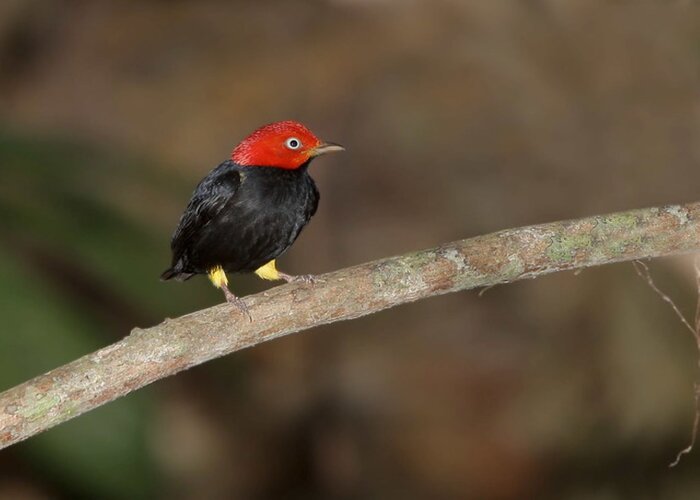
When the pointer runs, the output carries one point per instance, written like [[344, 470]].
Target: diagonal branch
[[150, 354]]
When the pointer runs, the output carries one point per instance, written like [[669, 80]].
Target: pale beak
[[326, 147]]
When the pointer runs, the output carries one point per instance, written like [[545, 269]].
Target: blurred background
[[460, 118]]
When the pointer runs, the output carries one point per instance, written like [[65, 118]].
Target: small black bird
[[249, 210]]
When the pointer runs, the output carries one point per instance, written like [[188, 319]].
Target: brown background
[[460, 118]]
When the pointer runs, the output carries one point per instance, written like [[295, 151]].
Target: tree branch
[[150, 354]]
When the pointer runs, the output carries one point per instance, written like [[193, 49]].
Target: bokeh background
[[460, 118]]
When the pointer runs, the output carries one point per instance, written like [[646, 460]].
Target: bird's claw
[[306, 278], [302, 278], [238, 303], [241, 306]]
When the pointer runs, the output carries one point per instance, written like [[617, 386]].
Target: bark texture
[[150, 354]]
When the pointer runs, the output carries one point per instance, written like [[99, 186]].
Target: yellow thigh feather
[[268, 271], [218, 276]]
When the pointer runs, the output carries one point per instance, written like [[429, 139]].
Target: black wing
[[210, 196]]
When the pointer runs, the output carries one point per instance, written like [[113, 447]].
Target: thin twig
[[643, 271], [696, 386], [694, 433], [484, 290]]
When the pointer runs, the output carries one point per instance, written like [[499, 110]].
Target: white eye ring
[[292, 143]]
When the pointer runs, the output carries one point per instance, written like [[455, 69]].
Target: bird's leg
[[219, 280], [269, 272]]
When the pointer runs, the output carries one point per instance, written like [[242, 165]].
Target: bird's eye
[[293, 143]]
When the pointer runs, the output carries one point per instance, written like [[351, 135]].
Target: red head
[[286, 144]]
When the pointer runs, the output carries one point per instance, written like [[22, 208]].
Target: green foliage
[[80, 255]]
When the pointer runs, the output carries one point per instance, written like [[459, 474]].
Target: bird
[[250, 209]]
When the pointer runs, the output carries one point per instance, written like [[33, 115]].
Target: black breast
[[259, 222]]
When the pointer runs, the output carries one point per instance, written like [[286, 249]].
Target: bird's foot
[[302, 278], [237, 302]]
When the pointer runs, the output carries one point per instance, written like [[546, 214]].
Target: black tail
[[173, 273]]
